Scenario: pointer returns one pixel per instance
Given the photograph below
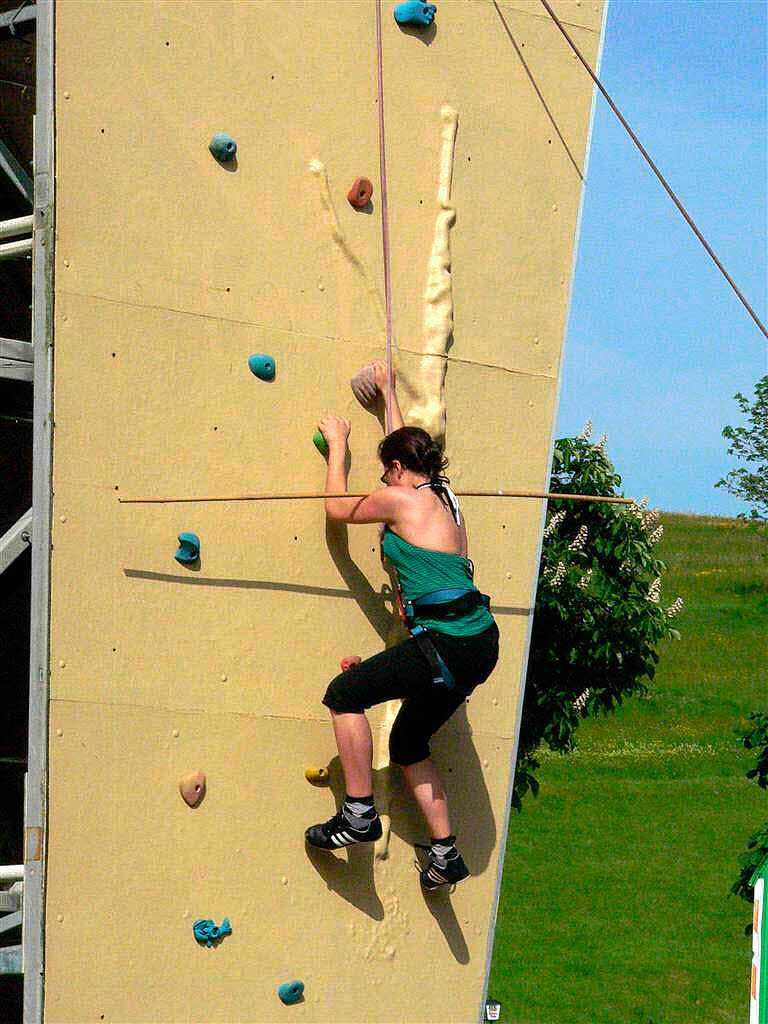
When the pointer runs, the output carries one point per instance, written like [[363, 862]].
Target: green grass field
[[614, 906]]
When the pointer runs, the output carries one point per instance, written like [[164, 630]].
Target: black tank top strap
[[440, 486]]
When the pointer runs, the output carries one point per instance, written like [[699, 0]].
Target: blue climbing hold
[[291, 991], [414, 12], [223, 147], [206, 931], [263, 366], [189, 548]]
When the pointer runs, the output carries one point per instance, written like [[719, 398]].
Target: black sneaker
[[338, 832], [443, 872]]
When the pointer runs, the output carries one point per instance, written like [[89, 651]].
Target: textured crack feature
[[427, 384], [385, 935], [317, 169]]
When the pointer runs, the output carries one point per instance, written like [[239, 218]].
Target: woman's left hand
[[335, 430]]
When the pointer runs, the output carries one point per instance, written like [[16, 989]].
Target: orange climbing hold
[[360, 193]]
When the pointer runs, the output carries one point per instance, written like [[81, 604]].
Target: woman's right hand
[[381, 376], [335, 430]]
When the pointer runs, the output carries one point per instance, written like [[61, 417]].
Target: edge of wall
[[532, 599], [36, 782]]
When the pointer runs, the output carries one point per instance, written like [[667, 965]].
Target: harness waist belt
[[446, 604]]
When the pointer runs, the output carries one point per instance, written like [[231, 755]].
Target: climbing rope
[[656, 171], [384, 221]]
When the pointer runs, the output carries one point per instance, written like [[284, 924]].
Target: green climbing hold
[[262, 366], [320, 443], [290, 992], [189, 548], [223, 147]]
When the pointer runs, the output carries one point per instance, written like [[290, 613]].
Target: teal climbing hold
[[320, 443], [206, 931], [262, 366], [189, 548], [290, 992], [223, 147], [413, 12]]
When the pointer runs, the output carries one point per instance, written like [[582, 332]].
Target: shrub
[[598, 617]]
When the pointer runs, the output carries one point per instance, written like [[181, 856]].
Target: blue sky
[[657, 342]]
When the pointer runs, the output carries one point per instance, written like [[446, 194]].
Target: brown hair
[[414, 449]]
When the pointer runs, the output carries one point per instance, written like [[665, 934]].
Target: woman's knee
[[405, 748], [340, 696]]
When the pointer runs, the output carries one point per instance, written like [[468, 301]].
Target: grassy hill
[[615, 905]]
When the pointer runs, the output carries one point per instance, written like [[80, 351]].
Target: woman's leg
[[355, 743], [428, 790]]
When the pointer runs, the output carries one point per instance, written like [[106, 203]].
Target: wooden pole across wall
[[604, 499]]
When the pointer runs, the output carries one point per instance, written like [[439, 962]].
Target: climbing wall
[[172, 270]]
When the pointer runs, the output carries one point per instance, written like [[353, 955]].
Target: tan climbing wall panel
[[170, 272]]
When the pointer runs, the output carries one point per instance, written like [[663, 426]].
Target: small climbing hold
[[262, 366], [192, 788], [189, 548], [223, 147], [317, 776], [320, 443], [290, 992], [363, 385], [206, 931], [360, 193], [351, 661], [414, 12]]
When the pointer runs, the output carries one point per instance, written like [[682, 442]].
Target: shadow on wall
[[350, 874], [372, 602]]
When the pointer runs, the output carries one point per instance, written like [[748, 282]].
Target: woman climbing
[[453, 646]]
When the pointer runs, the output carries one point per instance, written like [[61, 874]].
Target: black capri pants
[[404, 672]]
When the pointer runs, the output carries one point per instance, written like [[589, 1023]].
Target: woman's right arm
[[382, 383]]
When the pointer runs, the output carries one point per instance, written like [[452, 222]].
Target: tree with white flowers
[[750, 444], [598, 618]]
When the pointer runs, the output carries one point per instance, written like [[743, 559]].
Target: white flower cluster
[[657, 534], [674, 608], [555, 576], [651, 518], [584, 581], [655, 590], [554, 522], [603, 442], [581, 701], [638, 509], [578, 542], [625, 566], [586, 432]]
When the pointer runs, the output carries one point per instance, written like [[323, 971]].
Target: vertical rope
[[384, 221]]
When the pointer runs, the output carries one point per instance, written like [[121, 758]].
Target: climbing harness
[[448, 603]]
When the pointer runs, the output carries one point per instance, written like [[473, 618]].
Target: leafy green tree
[[750, 444], [754, 737], [598, 618]]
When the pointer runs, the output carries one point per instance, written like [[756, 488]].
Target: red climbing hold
[[360, 193]]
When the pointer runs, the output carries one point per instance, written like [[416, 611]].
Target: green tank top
[[421, 570]]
